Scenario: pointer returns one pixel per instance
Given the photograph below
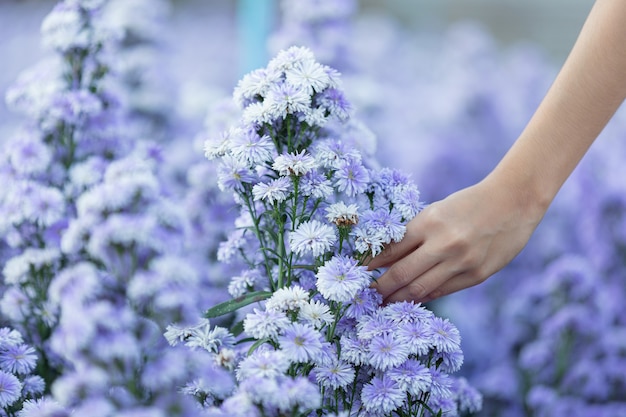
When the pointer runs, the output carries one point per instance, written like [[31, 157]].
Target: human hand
[[456, 243]]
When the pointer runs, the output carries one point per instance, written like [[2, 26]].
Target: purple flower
[[444, 336], [386, 351], [233, 174], [301, 343], [411, 376], [251, 147], [10, 389], [388, 224], [20, 359], [43, 407], [263, 364], [341, 278], [335, 375], [382, 395], [364, 302], [352, 178]]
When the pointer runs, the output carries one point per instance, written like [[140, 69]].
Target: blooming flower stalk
[[313, 209]]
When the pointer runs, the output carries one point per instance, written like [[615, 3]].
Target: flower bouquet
[[305, 334]]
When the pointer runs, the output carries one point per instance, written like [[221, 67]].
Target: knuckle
[[416, 290], [399, 274]]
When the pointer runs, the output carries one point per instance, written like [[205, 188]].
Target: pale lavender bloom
[[365, 302], [74, 107], [217, 147], [366, 240], [374, 325], [384, 222], [331, 153], [335, 102], [43, 407], [10, 337], [253, 148], [407, 312], [233, 173], [308, 75], [263, 364], [411, 376], [19, 359], [316, 185], [296, 164], [352, 178], [386, 351], [229, 249], [265, 324], [64, 28], [284, 99], [382, 394], [287, 299], [28, 154], [336, 374], [15, 304], [18, 269], [441, 384], [254, 85], [416, 336], [44, 206], [79, 283], [289, 58], [300, 343], [10, 389], [341, 278], [274, 191], [312, 237], [406, 200], [470, 400], [450, 362], [33, 385], [444, 336], [300, 393], [353, 349], [87, 173]]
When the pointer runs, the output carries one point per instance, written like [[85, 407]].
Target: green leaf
[[236, 303]]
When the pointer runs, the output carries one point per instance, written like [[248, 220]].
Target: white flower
[[309, 75], [342, 214], [285, 299], [312, 237], [316, 313], [294, 163]]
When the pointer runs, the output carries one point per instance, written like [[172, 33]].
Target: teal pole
[[255, 19]]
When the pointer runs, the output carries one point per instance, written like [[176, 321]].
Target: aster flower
[[411, 376], [382, 395], [274, 191], [266, 324], [352, 178], [315, 313], [386, 351], [312, 238], [301, 342], [263, 364], [444, 335], [287, 299], [341, 278], [10, 389], [296, 164], [19, 359]]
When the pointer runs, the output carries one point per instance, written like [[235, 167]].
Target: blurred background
[[445, 86], [552, 25]]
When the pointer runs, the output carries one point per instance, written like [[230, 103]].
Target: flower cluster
[[95, 244], [309, 334], [18, 383]]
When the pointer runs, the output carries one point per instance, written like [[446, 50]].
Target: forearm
[[585, 95]]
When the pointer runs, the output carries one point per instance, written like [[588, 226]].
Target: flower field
[[182, 236]]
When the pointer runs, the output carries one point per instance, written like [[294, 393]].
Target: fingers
[[397, 250], [404, 272], [435, 285]]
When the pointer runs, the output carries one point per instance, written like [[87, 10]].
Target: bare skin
[[462, 240]]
